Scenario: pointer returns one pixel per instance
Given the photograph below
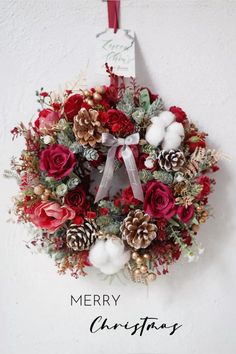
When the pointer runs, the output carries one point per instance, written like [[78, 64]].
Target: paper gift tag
[[116, 49]]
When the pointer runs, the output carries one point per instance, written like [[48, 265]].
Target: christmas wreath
[[76, 149]]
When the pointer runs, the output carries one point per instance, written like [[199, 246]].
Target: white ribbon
[[129, 161]]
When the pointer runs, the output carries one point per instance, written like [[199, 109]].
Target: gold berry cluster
[[93, 98], [202, 214], [43, 192], [140, 271]]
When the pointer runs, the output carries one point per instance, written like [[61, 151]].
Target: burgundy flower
[[111, 94], [76, 199], [206, 187], [119, 123], [180, 115], [47, 118], [187, 239], [141, 163], [72, 106], [159, 201], [57, 160], [128, 198], [135, 151], [196, 140], [185, 214]]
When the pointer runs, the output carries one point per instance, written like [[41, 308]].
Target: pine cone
[[171, 160], [81, 237], [137, 229], [87, 127]]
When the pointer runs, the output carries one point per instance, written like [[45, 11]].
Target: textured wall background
[[186, 50]]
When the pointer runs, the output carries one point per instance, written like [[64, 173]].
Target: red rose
[[119, 123], [135, 151], [196, 140], [57, 160], [206, 187], [141, 163], [180, 115], [185, 214], [51, 215], [76, 199], [72, 106], [47, 118], [159, 201], [128, 197]]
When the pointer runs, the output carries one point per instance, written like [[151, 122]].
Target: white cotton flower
[[109, 256], [171, 141], [47, 139], [97, 254], [166, 117], [149, 162], [165, 130], [155, 132], [176, 128]]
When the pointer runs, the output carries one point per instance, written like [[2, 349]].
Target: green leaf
[[59, 255], [144, 99], [156, 107], [195, 221], [173, 222]]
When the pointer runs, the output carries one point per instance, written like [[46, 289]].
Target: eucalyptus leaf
[[144, 99]]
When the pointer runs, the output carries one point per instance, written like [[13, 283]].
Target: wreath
[[110, 178]]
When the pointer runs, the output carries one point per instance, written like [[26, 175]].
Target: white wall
[[186, 51]]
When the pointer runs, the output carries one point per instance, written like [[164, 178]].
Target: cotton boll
[[155, 133], [154, 120], [97, 254], [176, 128], [122, 260], [114, 247], [166, 118], [171, 141]]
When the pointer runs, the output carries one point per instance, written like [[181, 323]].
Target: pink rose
[[159, 201], [46, 119], [57, 160], [185, 214], [51, 215], [206, 187]]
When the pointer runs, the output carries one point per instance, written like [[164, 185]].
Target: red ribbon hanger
[[113, 8]]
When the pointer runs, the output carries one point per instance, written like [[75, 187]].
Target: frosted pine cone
[[171, 160], [87, 127], [137, 229], [81, 237]]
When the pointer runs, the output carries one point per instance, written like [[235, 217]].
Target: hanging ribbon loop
[[113, 8], [129, 161]]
